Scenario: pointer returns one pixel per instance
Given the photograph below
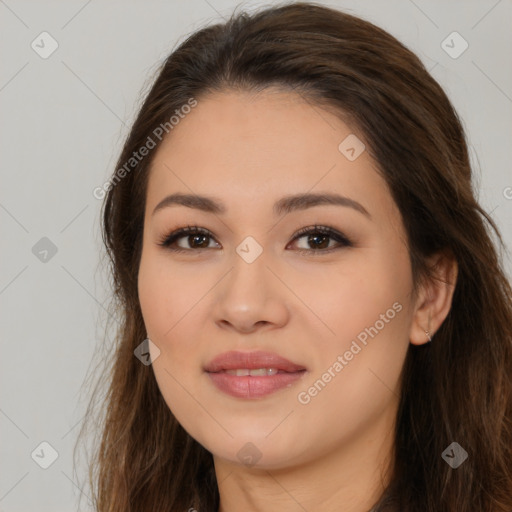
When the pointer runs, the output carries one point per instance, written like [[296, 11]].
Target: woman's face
[[337, 307]]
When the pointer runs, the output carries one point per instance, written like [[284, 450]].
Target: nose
[[251, 298]]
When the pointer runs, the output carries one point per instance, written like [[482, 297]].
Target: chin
[[256, 452]]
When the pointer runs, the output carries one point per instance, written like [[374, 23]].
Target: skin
[[248, 151]]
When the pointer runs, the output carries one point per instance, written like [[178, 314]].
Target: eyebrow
[[286, 204]]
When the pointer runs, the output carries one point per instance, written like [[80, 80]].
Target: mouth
[[252, 375], [257, 372]]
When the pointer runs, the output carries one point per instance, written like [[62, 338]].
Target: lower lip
[[253, 387]]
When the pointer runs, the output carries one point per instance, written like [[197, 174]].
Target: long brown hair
[[456, 389]]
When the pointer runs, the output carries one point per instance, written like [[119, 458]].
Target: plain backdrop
[[64, 118]]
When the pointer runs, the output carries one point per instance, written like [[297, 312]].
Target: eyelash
[[169, 239]]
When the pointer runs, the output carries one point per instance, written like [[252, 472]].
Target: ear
[[434, 298]]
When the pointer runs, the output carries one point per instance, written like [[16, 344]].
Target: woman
[[297, 250]]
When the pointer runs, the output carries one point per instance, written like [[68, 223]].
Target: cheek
[[153, 295], [352, 296], [366, 311], [157, 305], [162, 293], [164, 304], [368, 314], [169, 301]]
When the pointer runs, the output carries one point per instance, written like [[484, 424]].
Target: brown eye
[[318, 239], [195, 238]]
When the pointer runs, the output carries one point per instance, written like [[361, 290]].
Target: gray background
[[64, 119]]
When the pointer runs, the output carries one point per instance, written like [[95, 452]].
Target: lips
[[251, 360], [252, 374]]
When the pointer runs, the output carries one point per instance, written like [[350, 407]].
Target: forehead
[[243, 147], [265, 131]]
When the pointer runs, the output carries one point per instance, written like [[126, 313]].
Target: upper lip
[[251, 360]]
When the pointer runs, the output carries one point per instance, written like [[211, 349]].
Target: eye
[[197, 238], [318, 238]]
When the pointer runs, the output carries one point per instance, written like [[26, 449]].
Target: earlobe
[[435, 299]]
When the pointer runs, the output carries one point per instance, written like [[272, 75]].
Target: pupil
[[316, 237], [198, 237]]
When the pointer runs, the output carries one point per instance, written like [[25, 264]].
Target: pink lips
[[249, 386]]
